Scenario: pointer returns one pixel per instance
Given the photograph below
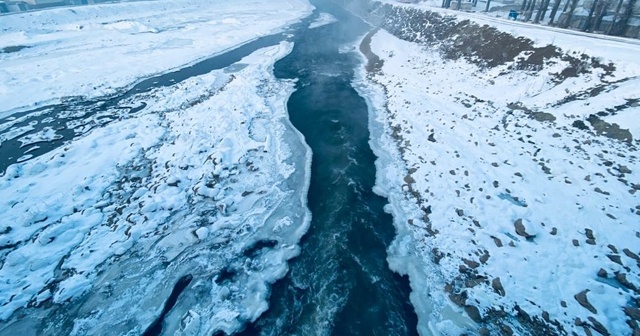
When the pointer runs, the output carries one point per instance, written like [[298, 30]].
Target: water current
[[341, 283]]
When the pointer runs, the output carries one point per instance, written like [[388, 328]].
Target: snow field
[[490, 192], [205, 181], [97, 50]]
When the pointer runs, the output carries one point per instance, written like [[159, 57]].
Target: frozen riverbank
[[208, 182], [173, 216], [518, 191], [341, 283], [96, 50]]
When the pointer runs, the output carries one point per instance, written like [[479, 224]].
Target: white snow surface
[[460, 168], [202, 174], [95, 50], [607, 47], [96, 233]]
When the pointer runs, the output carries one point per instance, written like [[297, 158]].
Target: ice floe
[[322, 20]]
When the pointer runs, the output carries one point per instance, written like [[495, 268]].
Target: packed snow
[[204, 186], [96, 50], [501, 203]]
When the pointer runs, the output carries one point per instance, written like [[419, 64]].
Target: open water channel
[[341, 283]]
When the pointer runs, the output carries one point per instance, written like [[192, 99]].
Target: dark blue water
[[341, 283]]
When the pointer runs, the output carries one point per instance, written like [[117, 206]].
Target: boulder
[[584, 301]]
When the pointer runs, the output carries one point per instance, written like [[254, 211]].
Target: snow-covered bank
[[508, 180], [207, 184], [436, 315], [95, 50], [596, 45]]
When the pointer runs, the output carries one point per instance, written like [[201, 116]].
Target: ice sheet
[[198, 183]]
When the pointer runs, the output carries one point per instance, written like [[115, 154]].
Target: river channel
[[341, 283]]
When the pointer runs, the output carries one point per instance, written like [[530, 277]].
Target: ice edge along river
[[341, 284], [435, 314], [255, 101], [229, 327]]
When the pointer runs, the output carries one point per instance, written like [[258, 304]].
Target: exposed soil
[[488, 47], [482, 45], [374, 63], [610, 130], [12, 49]]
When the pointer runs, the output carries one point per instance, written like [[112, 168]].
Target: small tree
[[486, 9], [545, 9], [600, 13], [622, 27], [529, 12], [554, 11], [615, 17], [567, 22], [544, 4], [587, 25]]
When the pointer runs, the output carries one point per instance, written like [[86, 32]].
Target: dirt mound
[[482, 45]]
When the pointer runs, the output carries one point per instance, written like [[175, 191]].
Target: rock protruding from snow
[[510, 175]]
